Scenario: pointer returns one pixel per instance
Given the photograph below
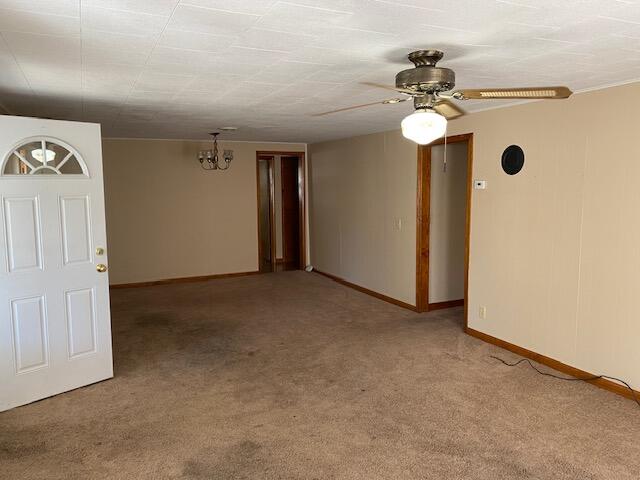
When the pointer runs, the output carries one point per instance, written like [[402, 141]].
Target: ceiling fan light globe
[[424, 126], [40, 156]]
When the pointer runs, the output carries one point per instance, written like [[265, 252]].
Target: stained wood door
[[266, 234], [291, 221]]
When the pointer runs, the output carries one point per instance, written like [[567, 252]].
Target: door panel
[[75, 228], [30, 340], [80, 309], [23, 239], [55, 323]]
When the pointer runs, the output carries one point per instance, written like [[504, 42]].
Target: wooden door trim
[[302, 189], [467, 228], [422, 229], [422, 221], [272, 233], [463, 137]]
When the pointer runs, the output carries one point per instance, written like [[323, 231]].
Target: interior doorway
[[443, 223], [281, 211]]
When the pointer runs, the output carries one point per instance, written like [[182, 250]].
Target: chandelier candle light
[[209, 159]]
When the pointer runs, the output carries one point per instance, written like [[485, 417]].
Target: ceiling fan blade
[[540, 93], [388, 101], [389, 87], [448, 110]]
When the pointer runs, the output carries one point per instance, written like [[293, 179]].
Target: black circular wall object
[[512, 159]]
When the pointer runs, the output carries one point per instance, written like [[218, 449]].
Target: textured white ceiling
[[179, 69]]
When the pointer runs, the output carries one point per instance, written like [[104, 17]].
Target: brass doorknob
[[101, 267]]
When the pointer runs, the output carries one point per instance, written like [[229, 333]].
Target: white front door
[[55, 325]]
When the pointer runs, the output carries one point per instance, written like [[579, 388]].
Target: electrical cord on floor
[[569, 379]]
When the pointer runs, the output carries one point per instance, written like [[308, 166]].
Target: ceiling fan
[[431, 89]]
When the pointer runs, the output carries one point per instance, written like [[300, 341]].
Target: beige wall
[[447, 222], [362, 197], [167, 218], [554, 249]]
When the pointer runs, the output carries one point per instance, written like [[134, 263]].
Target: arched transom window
[[43, 156]]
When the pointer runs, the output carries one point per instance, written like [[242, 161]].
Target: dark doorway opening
[[291, 213], [281, 211]]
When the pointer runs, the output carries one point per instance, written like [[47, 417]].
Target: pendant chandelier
[[209, 159]]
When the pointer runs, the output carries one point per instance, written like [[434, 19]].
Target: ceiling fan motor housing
[[426, 77]]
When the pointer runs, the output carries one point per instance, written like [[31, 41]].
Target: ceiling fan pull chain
[[444, 164]]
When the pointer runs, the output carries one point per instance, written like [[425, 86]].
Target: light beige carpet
[[292, 376]]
